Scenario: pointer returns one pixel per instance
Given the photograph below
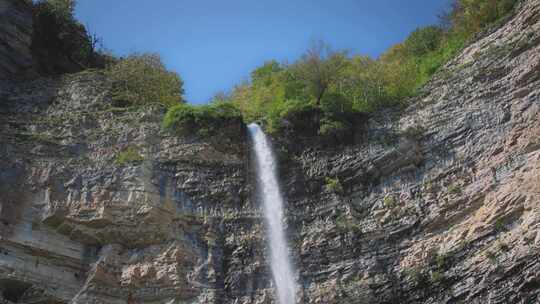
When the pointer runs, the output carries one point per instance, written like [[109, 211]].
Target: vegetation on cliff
[[142, 79], [331, 87], [203, 120], [340, 85], [60, 43], [129, 155]]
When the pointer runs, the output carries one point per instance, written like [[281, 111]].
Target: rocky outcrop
[[100, 205], [15, 38], [436, 204]]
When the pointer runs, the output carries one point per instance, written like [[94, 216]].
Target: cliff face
[[439, 204], [99, 206], [445, 208], [15, 38]]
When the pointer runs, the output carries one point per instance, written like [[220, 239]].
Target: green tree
[[319, 69], [424, 40], [471, 16], [362, 82], [263, 75], [202, 120], [399, 73], [61, 8], [141, 79], [271, 85], [60, 43], [329, 87]]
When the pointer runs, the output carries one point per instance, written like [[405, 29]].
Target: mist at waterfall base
[[270, 194]]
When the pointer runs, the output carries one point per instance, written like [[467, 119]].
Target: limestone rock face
[[438, 204], [442, 205], [81, 224], [15, 38]]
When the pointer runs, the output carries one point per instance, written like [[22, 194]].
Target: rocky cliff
[[16, 29], [439, 203]]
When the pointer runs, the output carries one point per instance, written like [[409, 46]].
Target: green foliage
[[440, 261], [319, 69], [389, 201], [424, 40], [263, 75], [283, 95], [142, 79], [334, 86], [492, 257], [409, 65], [62, 9], [333, 184], [203, 120], [417, 276], [60, 43], [500, 225], [435, 274], [330, 127], [471, 16], [289, 112], [336, 109], [129, 155]]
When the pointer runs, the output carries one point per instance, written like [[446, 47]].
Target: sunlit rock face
[[441, 204], [437, 204], [79, 225]]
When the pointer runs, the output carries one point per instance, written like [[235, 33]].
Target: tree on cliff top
[[143, 78], [61, 8], [60, 43], [319, 68]]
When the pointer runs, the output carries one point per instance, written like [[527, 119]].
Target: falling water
[[273, 211]]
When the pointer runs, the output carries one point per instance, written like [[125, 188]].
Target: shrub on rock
[[202, 120], [142, 79]]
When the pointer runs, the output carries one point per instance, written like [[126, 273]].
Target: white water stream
[[272, 200]]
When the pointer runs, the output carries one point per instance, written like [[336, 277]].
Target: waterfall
[[272, 200]]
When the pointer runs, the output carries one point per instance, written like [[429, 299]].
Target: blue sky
[[214, 44]]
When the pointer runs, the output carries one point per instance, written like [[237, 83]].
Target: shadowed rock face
[[15, 38], [439, 203], [34, 43]]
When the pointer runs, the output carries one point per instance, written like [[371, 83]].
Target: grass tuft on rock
[[333, 184], [130, 155]]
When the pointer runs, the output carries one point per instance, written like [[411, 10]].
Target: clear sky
[[214, 44]]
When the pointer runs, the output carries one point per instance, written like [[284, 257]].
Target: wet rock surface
[[436, 204]]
